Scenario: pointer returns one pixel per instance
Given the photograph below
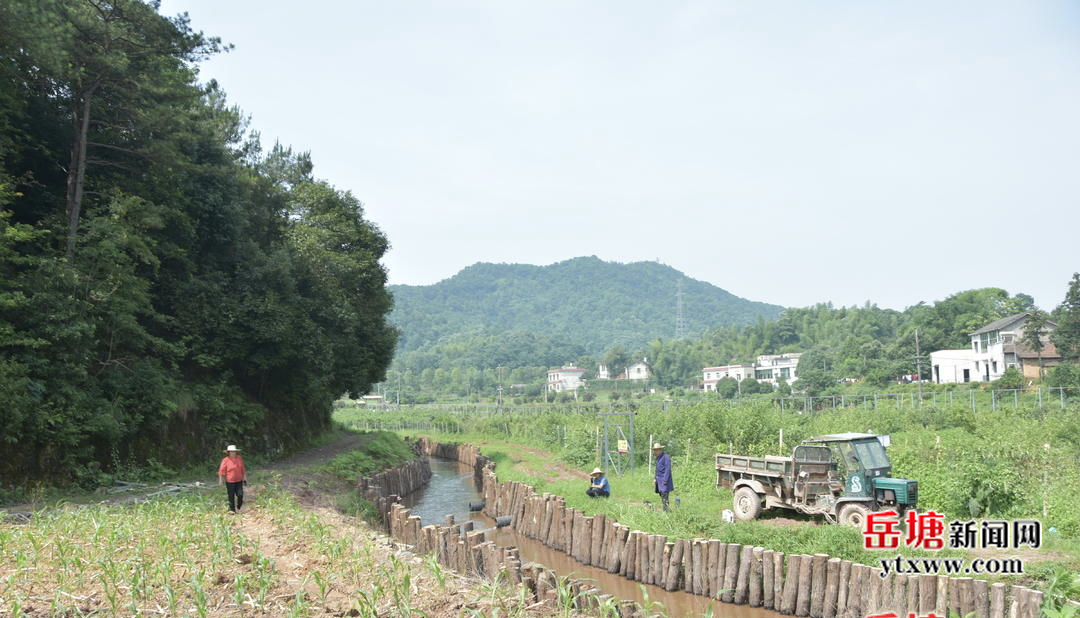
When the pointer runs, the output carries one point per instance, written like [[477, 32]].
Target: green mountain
[[584, 302]]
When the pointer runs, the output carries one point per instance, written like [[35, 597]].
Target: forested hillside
[[867, 344], [585, 303], [166, 286]]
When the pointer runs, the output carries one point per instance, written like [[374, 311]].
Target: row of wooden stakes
[[817, 585], [464, 549]]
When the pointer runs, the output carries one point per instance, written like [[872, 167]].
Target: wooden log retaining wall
[[384, 489], [817, 586]]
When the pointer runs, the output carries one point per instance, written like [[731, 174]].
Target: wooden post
[[618, 555], [894, 593], [642, 568], [586, 540], [768, 581], [596, 551], [873, 590], [911, 601], [966, 595], [731, 572], [699, 567], [674, 563], [754, 597], [665, 554], [832, 589], [711, 553], [742, 583], [927, 595], [630, 559], [980, 598], [659, 565], [817, 584], [842, 588], [954, 595], [855, 592], [791, 585], [997, 600], [942, 604], [719, 570], [778, 578], [802, 601]]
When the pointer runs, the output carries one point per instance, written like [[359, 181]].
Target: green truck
[[839, 476]]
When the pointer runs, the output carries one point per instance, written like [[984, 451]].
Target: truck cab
[[862, 466], [841, 476]]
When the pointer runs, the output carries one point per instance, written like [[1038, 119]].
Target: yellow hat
[[657, 445], [596, 471]]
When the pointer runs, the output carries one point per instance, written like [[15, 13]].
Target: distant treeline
[[166, 286], [871, 345]]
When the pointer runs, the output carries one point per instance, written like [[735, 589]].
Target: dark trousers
[[236, 495], [596, 493], [664, 499]]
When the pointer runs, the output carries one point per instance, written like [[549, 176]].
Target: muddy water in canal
[[452, 488]]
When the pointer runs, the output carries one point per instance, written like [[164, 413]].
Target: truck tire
[[853, 514], [747, 504]]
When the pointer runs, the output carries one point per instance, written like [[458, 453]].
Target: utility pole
[[918, 365]]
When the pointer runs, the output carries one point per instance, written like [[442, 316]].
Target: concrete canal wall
[[817, 585]]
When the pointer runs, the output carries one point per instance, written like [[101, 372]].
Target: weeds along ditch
[[994, 464]]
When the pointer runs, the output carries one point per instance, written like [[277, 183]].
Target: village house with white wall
[[994, 348], [566, 378], [770, 368], [712, 375]]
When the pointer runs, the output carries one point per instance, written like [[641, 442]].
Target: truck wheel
[[747, 504], [853, 514]]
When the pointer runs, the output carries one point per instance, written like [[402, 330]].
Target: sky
[[788, 152]]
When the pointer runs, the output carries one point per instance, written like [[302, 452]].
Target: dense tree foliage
[[165, 285], [584, 301], [869, 344], [1066, 336]]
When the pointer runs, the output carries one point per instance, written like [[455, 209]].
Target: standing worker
[[664, 485], [232, 472], [599, 487]]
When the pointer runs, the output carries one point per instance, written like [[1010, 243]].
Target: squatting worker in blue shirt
[[664, 485], [599, 487]]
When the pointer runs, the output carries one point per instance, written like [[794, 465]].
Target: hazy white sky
[[788, 152]]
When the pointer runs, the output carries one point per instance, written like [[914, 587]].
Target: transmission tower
[[680, 319]]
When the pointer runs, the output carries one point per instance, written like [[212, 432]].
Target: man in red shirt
[[232, 472]]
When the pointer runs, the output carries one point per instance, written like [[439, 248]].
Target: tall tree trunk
[[77, 172]]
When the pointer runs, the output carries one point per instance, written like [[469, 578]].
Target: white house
[[951, 366], [774, 367], [994, 348], [602, 372], [711, 375], [636, 371], [567, 378]]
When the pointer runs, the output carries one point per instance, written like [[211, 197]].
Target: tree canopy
[[165, 284]]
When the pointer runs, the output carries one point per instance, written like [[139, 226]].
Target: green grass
[[991, 462], [381, 450]]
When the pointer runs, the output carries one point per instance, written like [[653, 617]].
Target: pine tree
[[1067, 334]]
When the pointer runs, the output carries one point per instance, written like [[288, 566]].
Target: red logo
[[881, 531], [925, 530]]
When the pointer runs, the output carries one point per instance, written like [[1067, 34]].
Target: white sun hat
[[231, 447]]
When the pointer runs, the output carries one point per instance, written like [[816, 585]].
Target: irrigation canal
[[452, 488]]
